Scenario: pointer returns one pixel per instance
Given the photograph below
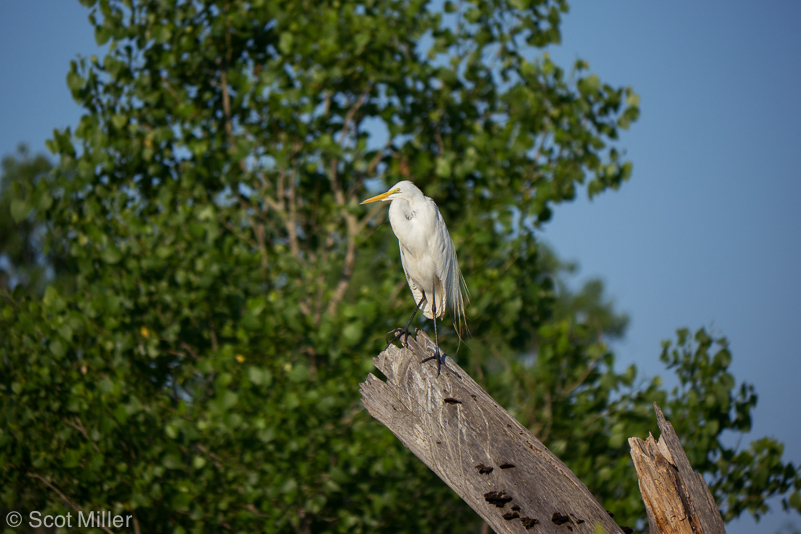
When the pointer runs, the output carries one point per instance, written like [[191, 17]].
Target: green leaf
[[119, 121], [443, 167], [590, 85], [285, 42], [352, 333], [795, 500], [299, 373], [102, 35], [172, 461], [72, 458], [111, 254], [45, 201], [52, 300], [259, 376], [19, 210], [58, 348], [74, 81], [228, 400]]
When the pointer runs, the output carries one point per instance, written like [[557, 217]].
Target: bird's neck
[[406, 209]]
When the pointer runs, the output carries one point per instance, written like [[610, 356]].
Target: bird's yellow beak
[[382, 196]]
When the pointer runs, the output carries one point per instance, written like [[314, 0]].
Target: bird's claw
[[398, 333], [439, 356], [403, 335]]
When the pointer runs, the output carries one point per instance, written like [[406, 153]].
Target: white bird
[[428, 257]]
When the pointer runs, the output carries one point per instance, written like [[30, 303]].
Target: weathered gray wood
[[659, 486], [676, 498], [494, 463]]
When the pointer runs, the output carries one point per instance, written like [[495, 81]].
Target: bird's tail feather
[[457, 302]]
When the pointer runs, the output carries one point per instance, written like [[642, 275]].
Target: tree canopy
[[200, 371]]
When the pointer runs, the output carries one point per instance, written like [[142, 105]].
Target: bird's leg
[[399, 332], [437, 354]]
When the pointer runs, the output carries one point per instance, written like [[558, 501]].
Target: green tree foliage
[[708, 402], [229, 291], [21, 260]]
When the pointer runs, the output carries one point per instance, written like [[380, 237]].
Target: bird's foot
[[399, 333], [439, 356]]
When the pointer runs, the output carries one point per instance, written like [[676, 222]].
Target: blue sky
[[706, 233]]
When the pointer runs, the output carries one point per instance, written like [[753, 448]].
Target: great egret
[[428, 258]]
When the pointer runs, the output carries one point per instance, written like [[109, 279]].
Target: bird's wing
[[447, 270]]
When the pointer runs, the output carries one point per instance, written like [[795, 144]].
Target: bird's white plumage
[[427, 252]]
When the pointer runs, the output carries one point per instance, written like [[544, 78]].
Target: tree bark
[[676, 498], [494, 463]]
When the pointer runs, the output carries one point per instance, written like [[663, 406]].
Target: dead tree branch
[[492, 461], [677, 499]]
